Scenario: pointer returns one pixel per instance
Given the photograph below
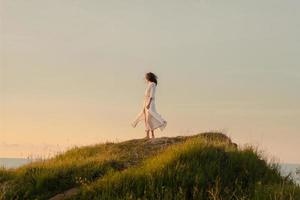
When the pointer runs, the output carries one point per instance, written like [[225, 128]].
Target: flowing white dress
[[151, 117]]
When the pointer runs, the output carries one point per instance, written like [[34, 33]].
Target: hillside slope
[[203, 166]]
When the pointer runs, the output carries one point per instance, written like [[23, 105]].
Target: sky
[[72, 72]]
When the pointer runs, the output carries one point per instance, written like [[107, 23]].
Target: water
[[13, 162], [291, 168]]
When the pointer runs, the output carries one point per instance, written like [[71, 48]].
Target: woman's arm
[[152, 89], [148, 106]]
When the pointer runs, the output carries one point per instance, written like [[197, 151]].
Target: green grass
[[204, 166], [196, 169], [43, 179]]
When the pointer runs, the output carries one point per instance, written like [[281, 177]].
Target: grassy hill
[[203, 166]]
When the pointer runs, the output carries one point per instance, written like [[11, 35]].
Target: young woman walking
[[151, 117]]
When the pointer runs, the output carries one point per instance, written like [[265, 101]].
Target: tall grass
[[205, 166], [196, 169], [43, 179]]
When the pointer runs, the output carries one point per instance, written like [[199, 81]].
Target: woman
[[152, 119]]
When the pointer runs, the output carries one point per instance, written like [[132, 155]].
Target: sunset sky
[[72, 71]]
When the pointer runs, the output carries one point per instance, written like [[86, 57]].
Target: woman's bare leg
[[147, 134], [148, 120], [146, 125], [152, 132]]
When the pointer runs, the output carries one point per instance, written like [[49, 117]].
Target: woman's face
[[145, 78]]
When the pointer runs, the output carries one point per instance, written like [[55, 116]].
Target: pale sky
[[72, 71]]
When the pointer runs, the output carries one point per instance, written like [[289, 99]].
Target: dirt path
[[65, 194]]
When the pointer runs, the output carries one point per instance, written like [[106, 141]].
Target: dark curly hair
[[151, 77]]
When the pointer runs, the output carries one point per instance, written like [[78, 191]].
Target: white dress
[[152, 119]]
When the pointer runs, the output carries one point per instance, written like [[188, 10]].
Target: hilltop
[[202, 166]]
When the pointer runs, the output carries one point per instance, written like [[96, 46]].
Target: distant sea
[[291, 168], [17, 162], [13, 162]]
